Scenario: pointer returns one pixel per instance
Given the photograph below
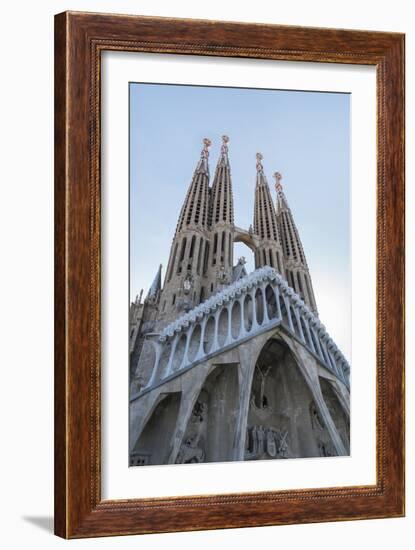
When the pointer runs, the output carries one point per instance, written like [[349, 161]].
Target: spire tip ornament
[[259, 166], [206, 144], [224, 148], [278, 178]]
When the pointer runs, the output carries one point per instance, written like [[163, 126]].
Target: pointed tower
[[219, 266], [297, 272], [269, 251], [155, 288], [182, 285]]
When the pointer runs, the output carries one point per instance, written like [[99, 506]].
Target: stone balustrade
[[254, 304]]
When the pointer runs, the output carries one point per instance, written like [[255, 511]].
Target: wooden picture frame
[[79, 40]]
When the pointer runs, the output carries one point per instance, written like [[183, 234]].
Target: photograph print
[[240, 274]]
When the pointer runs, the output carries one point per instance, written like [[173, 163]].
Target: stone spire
[[269, 251], [194, 211], [155, 286], [297, 272], [182, 285], [221, 197], [221, 223]]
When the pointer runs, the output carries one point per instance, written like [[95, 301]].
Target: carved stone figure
[[199, 412], [222, 276], [190, 452], [187, 284], [266, 442], [271, 444]]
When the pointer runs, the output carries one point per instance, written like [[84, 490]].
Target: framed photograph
[[229, 275]]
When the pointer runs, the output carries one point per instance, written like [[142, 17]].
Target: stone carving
[[259, 165], [261, 400], [316, 420], [222, 276], [138, 382], [278, 178], [191, 449], [190, 452], [324, 443], [199, 412], [187, 284], [266, 442], [224, 147], [206, 144]]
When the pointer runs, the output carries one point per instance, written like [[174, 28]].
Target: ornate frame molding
[[79, 40]]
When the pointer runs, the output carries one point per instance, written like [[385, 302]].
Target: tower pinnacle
[[156, 286], [259, 166], [203, 166], [224, 147], [296, 267], [265, 223], [278, 178], [182, 284], [221, 219]]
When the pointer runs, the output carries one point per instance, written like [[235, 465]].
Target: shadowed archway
[[153, 445], [210, 431], [283, 420]]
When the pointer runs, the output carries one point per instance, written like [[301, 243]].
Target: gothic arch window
[[300, 285], [209, 335], [206, 259], [199, 255], [284, 313], [223, 327], [182, 251], [173, 261], [192, 246], [259, 306], [271, 262], [271, 302], [290, 278], [235, 319], [279, 263], [215, 248]]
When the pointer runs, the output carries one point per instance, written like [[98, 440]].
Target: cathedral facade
[[226, 365]]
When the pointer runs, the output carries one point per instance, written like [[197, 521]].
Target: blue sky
[[303, 135]]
